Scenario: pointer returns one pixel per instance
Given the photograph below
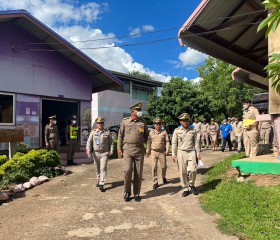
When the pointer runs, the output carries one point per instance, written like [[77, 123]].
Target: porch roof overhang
[[100, 77], [227, 30]]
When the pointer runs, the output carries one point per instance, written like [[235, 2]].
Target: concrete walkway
[[71, 207]]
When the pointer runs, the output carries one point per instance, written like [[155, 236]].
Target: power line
[[152, 32], [139, 43]]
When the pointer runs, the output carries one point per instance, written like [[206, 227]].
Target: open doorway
[[63, 110]]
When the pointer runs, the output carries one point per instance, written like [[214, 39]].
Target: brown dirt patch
[[260, 179]]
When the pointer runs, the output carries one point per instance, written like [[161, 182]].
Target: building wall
[[38, 72]]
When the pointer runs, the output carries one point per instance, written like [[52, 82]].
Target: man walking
[[225, 130], [72, 135], [185, 149], [237, 128], [52, 135], [133, 133], [158, 147], [204, 134], [250, 132], [101, 146], [197, 126]]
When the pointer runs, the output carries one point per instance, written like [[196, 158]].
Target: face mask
[[74, 122], [139, 114], [54, 121]]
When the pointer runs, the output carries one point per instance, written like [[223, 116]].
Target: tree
[[272, 22], [178, 96], [138, 74], [225, 95]]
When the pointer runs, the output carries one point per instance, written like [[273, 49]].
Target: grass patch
[[246, 210]]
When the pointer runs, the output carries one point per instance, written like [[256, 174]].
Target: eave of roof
[[213, 29], [136, 79], [101, 78]]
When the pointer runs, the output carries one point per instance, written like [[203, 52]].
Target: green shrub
[[3, 159], [22, 147], [34, 163]]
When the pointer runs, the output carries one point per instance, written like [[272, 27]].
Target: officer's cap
[[52, 117], [184, 116], [99, 120], [212, 119], [137, 106], [74, 117], [157, 120]]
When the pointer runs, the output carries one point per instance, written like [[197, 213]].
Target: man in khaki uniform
[[185, 149], [132, 135], [101, 146], [72, 136], [198, 127], [158, 147], [237, 129], [250, 132], [265, 130], [205, 134], [52, 135]]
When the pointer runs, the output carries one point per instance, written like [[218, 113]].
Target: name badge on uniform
[[141, 130], [97, 141]]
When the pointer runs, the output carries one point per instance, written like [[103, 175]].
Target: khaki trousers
[[250, 138], [205, 139], [238, 143], [133, 162], [155, 157], [101, 160], [54, 145], [264, 135], [71, 149], [187, 168]]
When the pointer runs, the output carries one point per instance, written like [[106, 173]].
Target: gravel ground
[[71, 207]]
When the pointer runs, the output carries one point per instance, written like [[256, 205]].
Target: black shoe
[[155, 186], [137, 198], [185, 193], [230, 149], [127, 196], [194, 190], [164, 180], [101, 188], [223, 150], [97, 185]]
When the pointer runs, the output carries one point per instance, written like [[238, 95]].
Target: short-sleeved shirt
[[132, 132], [185, 140], [100, 141], [158, 141], [225, 129]]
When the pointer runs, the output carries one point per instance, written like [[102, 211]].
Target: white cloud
[[196, 80], [139, 30], [191, 57], [73, 23]]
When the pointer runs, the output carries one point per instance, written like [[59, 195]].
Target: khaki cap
[[212, 119], [184, 116], [100, 120], [157, 120], [52, 117], [74, 117], [137, 106]]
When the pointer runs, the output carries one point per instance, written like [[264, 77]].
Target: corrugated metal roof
[[101, 78], [227, 30]]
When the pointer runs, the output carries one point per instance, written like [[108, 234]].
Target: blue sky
[[111, 20]]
